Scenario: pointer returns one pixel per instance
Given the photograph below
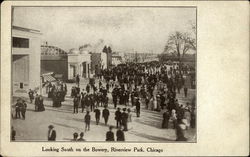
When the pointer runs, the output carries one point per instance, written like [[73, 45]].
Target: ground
[[146, 128]]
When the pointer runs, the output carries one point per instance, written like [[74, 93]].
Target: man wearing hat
[[18, 108], [110, 135], [124, 119], [75, 136], [120, 135], [76, 103], [105, 114], [23, 109], [114, 95], [138, 107], [118, 117], [51, 133]]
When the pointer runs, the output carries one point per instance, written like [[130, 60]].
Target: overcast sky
[[125, 29]]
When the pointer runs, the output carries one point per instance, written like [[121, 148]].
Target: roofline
[[26, 29]]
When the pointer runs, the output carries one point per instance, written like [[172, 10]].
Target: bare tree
[[180, 43]]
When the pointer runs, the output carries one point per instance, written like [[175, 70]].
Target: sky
[[140, 29]]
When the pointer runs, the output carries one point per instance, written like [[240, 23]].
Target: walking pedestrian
[[129, 125], [23, 109], [76, 102], [166, 117], [118, 117], [31, 95], [36, 102], [124, 118], [105, 114], [18, 108], [185, 91], [83, 101], [138, 107], [87, 121], [114, 95], [97, 115]]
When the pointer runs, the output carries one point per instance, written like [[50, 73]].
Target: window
[[20, 42], [21, 85]]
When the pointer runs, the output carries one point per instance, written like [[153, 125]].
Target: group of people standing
[[39, 106], [152, 85], [157, 86], [57, 92], [20, 108]]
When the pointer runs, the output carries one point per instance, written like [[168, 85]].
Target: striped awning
[[48, 78]]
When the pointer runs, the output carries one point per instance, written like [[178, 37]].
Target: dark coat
[[120, 135], [124, 117], [87, 118], [118, 115], [105, 113], [110, 136], [138, 105], [52, 137], [97, 113]]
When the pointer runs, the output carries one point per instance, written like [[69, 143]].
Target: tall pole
[[136, 59]]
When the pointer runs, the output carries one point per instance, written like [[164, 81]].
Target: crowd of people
[[57, 92], [152, 86]]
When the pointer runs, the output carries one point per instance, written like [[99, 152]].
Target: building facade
[[26, 53], [96, 63], [55, 60], [79, 63]]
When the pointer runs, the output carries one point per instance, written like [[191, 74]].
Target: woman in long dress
[[154, 103], [129, 124]]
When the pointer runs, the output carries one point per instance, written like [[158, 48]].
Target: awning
[[48, 78], [58, 76]]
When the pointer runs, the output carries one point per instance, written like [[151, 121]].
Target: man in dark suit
[[166, 117], [118, 117], [124, 119], [97, 115], [114, 95], [110, 135], [120, 135], [31, 95], [76, 102], [105, 114], [23, 109], [18, 108], [138, 107], [51, 133]]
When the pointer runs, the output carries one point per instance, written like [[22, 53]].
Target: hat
[[81, 134], [75, 134], [51, 126]]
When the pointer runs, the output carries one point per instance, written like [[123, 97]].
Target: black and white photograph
[[103, 74]]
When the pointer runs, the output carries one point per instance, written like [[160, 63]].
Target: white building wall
[[77, 60], [104, 63], [34, 53]]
